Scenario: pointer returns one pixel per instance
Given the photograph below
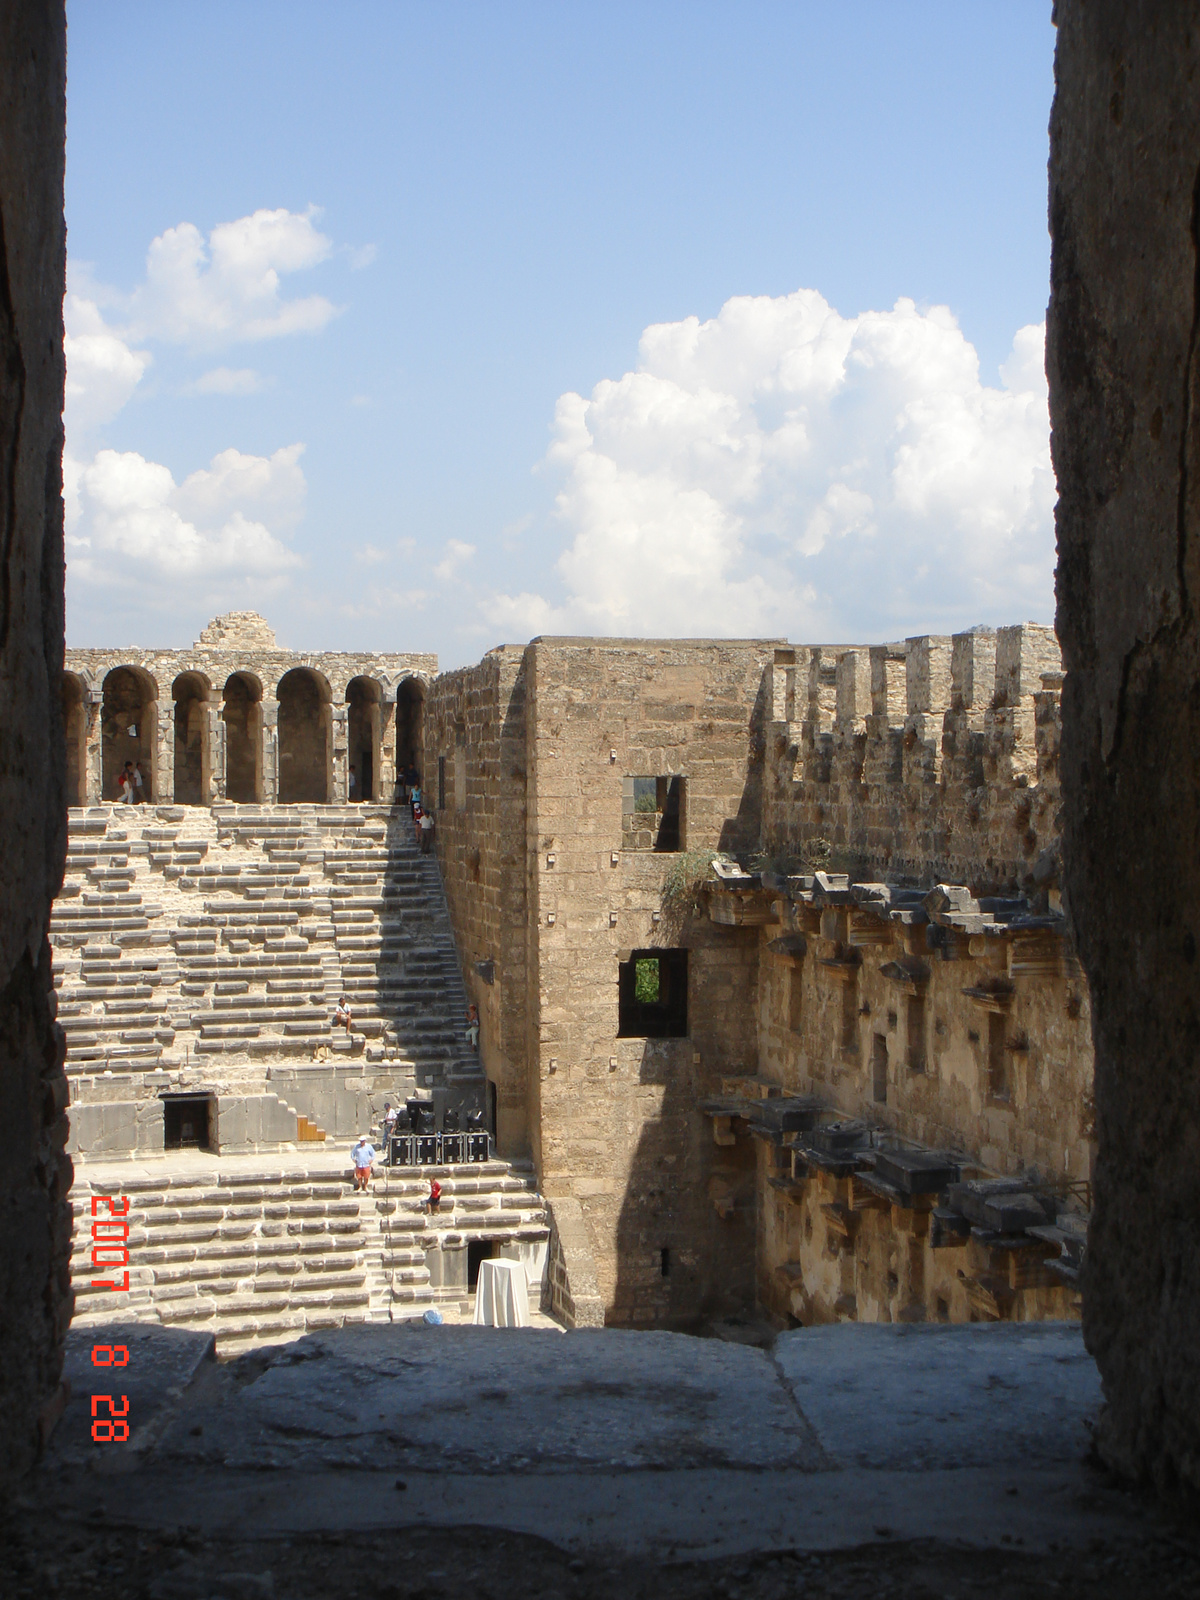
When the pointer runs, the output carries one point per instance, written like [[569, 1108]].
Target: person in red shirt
[[435, 1195]]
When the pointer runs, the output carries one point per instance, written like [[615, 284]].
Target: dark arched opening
[[410, 726], [242, 715], [192, 756], [305, 722], [75, 728], [128, 723], [364, 701]]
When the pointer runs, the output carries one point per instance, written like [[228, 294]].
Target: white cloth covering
[[502, 1295]]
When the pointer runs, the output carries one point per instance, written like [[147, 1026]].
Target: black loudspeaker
[[428, 1121], [477, 1146], [413, 1108], [427, 1149], [402, 1150], [450, 1120]]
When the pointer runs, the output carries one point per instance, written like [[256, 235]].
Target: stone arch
[[75, 727], [128, 729], [241, 713], [410, 725], [364, 701], [305, 737], [193, 755]]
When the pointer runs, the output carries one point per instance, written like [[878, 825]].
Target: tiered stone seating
[[188, 935], [261, 1255]]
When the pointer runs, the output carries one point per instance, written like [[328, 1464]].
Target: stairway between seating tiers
[[254, 1255], [207, 948]]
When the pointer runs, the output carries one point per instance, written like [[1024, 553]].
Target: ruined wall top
[[237, 630]]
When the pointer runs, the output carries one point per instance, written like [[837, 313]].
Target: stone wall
[[264, 723], [475, 762], [935, 758], [1121, 358], [35, 1174], [616, 1124]]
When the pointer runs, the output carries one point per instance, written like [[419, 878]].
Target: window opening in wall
[[364, 724], [997, 1061], [653, 813], [478, 1250], [664, 1262], [441, 783], [128, 720], [652, 995], [305, 738], [187, 1122], [242, 716], [190, 694], [795, 997], [849, 1039], [879, 1066], [916, 1033]]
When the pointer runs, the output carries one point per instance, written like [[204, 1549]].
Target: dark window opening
[[652, 995], [997, 1062], [664, 1262], [879, 1066], [478, 1250], [652, 813], [795, 998], [850, 1015], [187, 1122], [916, 1033]]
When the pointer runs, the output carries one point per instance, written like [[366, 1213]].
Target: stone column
[[385, 782], [270, 752], [160, 787], [339, 758], [93, 766], [213, 781]]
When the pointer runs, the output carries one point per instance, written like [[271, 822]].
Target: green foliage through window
[[646, 987]]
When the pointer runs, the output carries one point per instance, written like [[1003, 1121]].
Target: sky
[[435, 327]]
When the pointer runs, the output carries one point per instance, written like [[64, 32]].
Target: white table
[[502, 1295]]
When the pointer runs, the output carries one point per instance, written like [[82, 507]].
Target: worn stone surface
[[615, 1444], [1124, 392], [35, 1302]]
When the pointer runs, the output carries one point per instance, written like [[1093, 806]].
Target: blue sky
[[480, 210]]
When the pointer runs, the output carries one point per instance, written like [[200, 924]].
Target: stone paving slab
[[610, 1441], [1011, 1394]]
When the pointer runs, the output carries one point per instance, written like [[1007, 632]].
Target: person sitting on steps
[[342, 1017]]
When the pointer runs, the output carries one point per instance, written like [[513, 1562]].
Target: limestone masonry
[[774, 985]]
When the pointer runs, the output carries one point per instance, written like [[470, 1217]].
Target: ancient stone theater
[[778, 1015]]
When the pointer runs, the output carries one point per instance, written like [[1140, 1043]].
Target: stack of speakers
[[424, 1146]]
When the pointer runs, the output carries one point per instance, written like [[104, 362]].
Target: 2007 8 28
[[110, 1253]]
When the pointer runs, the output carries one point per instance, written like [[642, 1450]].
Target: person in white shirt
[[426, 826], [139, 793], [362, 1155]]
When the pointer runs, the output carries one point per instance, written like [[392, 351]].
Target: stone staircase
[[218, 940], [252, 1256]]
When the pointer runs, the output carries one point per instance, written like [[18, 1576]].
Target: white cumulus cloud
[[226, 289], [229, 380], [457, 554], [783, 469]]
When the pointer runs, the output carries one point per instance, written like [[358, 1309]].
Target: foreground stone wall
[[35, 1175], [1125, 151]]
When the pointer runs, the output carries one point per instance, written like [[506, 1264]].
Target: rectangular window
[[441, 783], [916, 1033], [652, 995], [850, 1015], [653, 813], [795, 997], [879, 1066], [997, 1062]]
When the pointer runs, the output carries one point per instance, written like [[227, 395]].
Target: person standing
[[435, 1196], [426, 827], [139, 793], [352, 784], [473, 1026], [126, 784], [362, 1155]]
